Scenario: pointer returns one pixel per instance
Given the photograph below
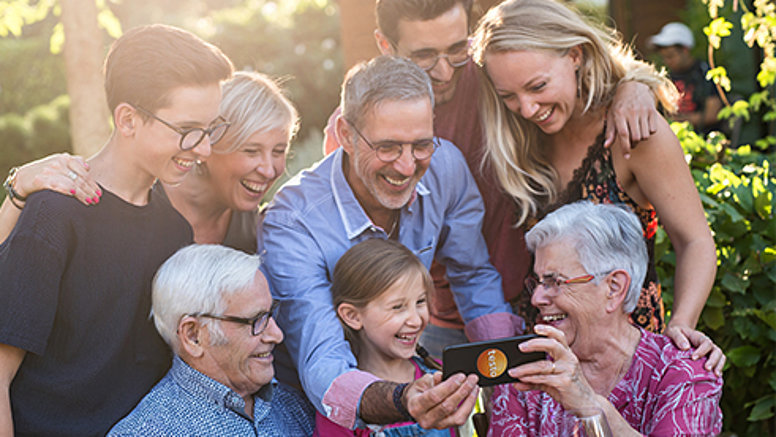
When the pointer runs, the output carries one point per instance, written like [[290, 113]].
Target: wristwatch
[[8, 186]]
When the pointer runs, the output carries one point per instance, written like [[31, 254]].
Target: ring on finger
[[552, 369], [72, 175]]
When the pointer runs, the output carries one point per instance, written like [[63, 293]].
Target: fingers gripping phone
[[489, 360]]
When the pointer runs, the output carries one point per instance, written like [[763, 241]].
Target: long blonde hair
[[512, 143]]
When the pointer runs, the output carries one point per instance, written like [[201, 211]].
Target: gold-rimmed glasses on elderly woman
[[553, 281], [192, 136], [258, 323]]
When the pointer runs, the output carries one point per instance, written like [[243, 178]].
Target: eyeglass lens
[[389, 152], [261, 322], [192, 137]]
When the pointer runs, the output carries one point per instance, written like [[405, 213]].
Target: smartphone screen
[[489, 360]]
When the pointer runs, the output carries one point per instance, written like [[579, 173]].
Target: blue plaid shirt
[[188, 403]]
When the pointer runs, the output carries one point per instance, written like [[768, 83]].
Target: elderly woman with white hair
[[590, 261]]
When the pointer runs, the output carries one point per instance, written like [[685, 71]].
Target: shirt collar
[[354, 218], [202, 386]]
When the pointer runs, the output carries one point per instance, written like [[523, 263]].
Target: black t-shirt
[[75, 294]]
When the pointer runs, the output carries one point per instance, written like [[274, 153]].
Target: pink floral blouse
[[664, 393]]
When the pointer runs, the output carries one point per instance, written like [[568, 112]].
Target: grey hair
[[253, 102], [384, 78], [197, 279], [606, 237]]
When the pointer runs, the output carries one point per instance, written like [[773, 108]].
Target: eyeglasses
[[258, 323], [456, 56], [554, 281], [389, 151], [192, 136]]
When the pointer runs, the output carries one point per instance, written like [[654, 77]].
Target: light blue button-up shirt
[[188, 403], [315, 217]]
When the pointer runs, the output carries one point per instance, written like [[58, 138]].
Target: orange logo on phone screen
[[492, 363]]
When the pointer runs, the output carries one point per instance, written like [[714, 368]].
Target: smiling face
[[241, 178], [575, 309], [442, 34], [381, 186], [391, 324], [244, 362], [539, 86], [158, 147]]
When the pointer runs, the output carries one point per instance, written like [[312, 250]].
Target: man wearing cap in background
[[699, 102]]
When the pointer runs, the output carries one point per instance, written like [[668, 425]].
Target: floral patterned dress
[[596, 181]]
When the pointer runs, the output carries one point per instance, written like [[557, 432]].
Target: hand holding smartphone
[[489, 360]]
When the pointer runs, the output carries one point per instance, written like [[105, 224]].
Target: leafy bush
[[29, 74], [43, 130], [297, 40], [737, 190]]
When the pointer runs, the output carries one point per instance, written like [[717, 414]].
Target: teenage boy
[[77, 350]]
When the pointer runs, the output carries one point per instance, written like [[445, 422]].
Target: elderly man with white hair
[[212, 305]]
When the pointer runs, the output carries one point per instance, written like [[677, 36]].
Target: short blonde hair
[[252, 102], [546, 25]]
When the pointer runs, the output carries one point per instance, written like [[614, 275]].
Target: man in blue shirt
[[212, 306], [383, 183]]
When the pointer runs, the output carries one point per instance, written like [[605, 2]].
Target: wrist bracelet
[[8, 186], [397, 394]]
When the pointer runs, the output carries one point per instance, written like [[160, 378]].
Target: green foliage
[[738, 192], [29, 74], [43, 130], [295, 40]]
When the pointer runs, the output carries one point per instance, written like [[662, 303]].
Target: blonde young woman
[[549, 77]]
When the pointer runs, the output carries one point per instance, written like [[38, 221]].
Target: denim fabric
[[186, 402]]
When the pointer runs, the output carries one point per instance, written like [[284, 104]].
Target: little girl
[[380, 290]]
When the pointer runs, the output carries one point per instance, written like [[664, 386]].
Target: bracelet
[[397, 394], [8, 186]]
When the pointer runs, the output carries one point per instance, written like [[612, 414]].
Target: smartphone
[[489, 360]]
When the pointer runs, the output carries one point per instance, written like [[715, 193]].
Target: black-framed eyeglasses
[[258, 323], [553, 282], [192, 136], [389, 151], [457, 56]]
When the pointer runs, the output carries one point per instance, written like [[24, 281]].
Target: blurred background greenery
[[296, 41]]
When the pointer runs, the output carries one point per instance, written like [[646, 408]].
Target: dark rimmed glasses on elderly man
[[388, 151], [553, 282], [192, 136], [258, 323]]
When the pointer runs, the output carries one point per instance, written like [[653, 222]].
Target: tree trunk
[[83, 50]]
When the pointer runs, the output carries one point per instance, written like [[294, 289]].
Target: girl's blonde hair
[[367, 270], [512, 143]]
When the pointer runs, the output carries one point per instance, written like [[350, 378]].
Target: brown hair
[[389, 12], [148, 62], [369, 268]]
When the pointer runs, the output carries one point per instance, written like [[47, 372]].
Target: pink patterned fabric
[[664, 393]]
